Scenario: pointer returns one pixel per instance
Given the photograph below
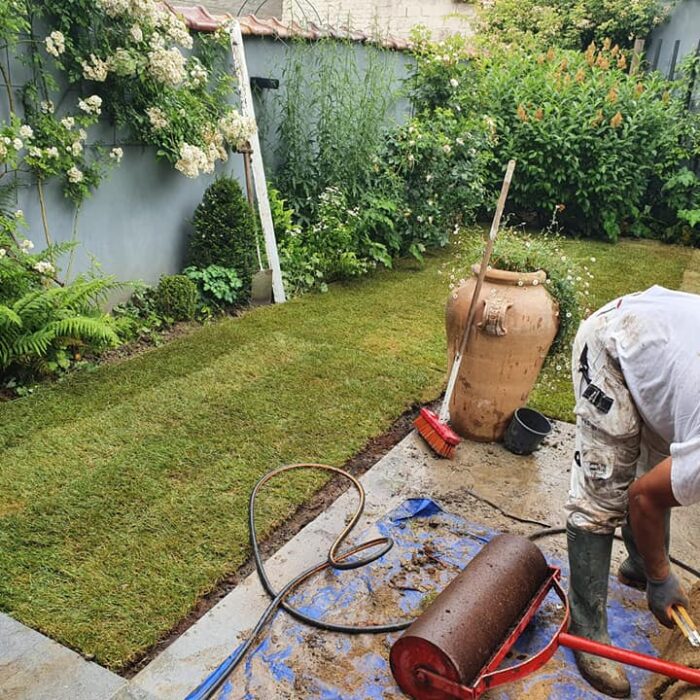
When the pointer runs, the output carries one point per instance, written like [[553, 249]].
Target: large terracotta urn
[[516, 321]]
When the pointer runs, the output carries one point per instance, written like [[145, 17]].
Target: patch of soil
[[319, 660], [142, 345], [304, 514], [675, 647], [544, 689]]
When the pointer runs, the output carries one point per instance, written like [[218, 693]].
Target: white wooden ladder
[[259, 180]]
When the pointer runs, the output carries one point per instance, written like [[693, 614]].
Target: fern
[[36, 343], [38, 328], [85, 295], [8, 199], [85, 328], [9, 317]]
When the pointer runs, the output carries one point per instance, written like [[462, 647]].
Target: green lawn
[[123, 492]]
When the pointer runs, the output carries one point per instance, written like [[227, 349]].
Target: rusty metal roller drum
[[467, 622]]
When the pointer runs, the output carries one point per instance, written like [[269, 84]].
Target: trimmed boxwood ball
[[224, 232], [176, 297]]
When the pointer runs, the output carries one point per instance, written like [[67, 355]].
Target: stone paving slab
[[132, 692], [34, 667]]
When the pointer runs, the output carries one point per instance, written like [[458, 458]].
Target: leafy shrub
[[338, 246], [681, 202], [440, 160], [380, 219], [140, 316], [300, 266], [220, 286], [572, 24], [224, 232], [442, 71], [590, 140], [176, 297], [283, 216]]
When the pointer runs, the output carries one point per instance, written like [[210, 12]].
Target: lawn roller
[[455, 648]]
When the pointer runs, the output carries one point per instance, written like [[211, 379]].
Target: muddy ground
[[484, 484], [674, 646]]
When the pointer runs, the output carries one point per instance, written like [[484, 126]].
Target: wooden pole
[[636, 55], [251, 200]]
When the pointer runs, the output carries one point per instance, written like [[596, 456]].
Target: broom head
[[441, 438]]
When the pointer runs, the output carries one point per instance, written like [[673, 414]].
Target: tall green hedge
[[606, 152], [572, 24]]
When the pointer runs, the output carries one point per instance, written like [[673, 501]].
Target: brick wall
[[395, 17], [271, 8]]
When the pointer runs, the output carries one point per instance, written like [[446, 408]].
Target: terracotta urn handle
[[494, 316]]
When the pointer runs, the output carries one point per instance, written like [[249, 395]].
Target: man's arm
[[649, 499]]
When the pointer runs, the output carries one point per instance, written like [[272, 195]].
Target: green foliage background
[[572, 24]]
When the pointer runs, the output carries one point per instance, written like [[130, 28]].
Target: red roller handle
[[631, 658]]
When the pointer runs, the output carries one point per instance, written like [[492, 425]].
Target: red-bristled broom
[[433, 428]]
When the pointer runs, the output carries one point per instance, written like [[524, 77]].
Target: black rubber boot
[[631, 571], [589, 564]]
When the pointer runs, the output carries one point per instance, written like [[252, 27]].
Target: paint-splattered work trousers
[[613, 446]]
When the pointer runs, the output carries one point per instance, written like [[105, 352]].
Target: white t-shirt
[[657, 335]]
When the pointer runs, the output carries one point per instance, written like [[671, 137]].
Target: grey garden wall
[[136, 223], [676, 39], [267, 59]]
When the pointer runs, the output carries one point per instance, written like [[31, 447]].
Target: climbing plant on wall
[[134, 61], [156, 80]]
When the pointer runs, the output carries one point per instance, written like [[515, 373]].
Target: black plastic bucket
[[526, 431]]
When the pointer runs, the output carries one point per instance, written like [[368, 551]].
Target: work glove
[[663, 595]]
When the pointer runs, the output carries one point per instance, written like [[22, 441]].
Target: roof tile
[[200, 19]]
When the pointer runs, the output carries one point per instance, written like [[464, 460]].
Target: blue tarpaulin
[[292, 660]]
